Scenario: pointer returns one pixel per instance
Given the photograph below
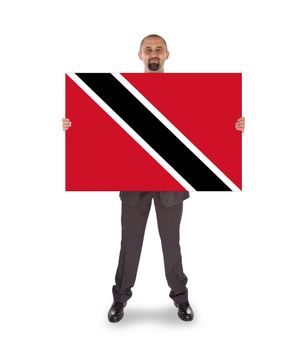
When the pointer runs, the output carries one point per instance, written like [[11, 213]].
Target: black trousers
[[134, 219]]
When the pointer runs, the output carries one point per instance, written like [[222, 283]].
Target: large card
[[153, 132]]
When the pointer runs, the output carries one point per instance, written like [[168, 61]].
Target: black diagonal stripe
[[151, 130]]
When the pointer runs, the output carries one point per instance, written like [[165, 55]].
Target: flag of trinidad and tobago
[[153, 132]]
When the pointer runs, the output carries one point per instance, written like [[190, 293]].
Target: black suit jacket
[[168, 199]]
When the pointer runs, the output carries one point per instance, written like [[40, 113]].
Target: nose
[[153, 54]]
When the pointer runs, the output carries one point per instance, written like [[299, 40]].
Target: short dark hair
[[153, 36]]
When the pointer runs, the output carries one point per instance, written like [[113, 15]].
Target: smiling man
[[135, 211], [153, 52]]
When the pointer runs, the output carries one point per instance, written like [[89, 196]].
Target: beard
[[154, 66]]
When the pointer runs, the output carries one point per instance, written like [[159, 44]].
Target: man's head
[[153, 52]]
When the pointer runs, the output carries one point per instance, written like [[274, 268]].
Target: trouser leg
[[133, 220], [169, 223]]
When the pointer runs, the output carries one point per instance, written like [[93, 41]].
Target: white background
[[244, 253]]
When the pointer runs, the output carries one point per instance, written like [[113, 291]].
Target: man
[[135, 210]]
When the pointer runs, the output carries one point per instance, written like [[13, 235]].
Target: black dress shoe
[[116, 311], [185, 312]]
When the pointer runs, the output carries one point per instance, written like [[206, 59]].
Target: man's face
[[153, 54]]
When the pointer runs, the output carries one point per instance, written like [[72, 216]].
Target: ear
[[140, 55], [167, 54]]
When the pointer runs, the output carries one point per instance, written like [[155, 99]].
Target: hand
[[240, 124], [66, 124]]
